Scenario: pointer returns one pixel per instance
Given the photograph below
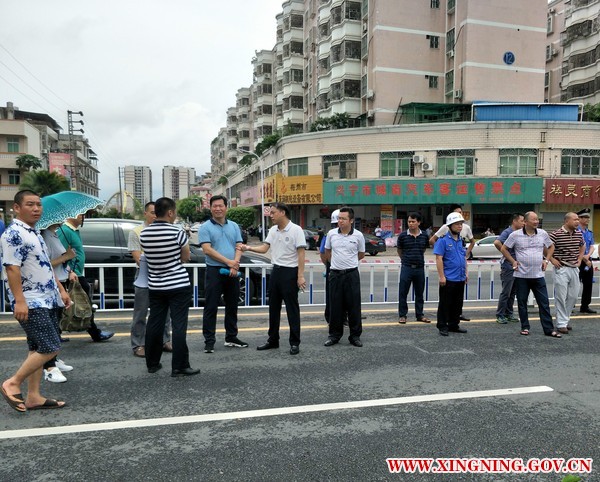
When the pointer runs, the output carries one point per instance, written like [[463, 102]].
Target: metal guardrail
[[382, 277]]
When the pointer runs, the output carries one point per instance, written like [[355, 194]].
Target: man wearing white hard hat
[[451, 262]]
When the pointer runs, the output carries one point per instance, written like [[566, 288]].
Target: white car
[[485, 249]]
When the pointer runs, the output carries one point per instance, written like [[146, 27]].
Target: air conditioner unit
[[370, 94], [370, 114], [458, 94], [418, 159], [304, 85], [427, 167], [365, 26], [451, 53]]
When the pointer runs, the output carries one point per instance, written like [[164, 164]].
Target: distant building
[[138, 182], [177, 181]]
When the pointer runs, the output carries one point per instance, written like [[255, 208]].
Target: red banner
[[572, 191]]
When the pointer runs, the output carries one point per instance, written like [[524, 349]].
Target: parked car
[[374, 245], [105, 242], [312, 239], [485, 249]]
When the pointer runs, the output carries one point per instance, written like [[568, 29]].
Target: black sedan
[[374, 245]]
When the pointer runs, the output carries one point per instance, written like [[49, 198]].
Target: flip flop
[[554, 334], [524, 332], [15, 401], [48, 404]]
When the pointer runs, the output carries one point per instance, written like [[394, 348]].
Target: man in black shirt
[[411, 249]]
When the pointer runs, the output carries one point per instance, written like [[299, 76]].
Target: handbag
[[78, 316]]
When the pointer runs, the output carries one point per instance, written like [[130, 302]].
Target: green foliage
[[572, 478], [28, 162], [112, 213], [243, 216], [289, 129], [268, 141], [44, 182], [591, 112], [246, 160], [223, 181], [336, 121], [190, 209]]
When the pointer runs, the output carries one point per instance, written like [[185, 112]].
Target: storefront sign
[[301, 190], [435, 191], [271, 187], [572, 191], [60, 163], [250, 196], [387, 217]]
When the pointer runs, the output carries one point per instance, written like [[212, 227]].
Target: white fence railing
[[379, 283]]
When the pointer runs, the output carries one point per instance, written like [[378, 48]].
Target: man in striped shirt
[[166, 248], [569, 248]]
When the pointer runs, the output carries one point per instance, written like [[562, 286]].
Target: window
[[547, 80], [518, 161], [549, 53], [449, 83], [455, 162], [433, 81], [580, 162], [298, 166], [324, 66], [339, 166], [395, 164], [449, 40], [297, 48], [348, 49], [434, 4], [12, 144], [549, 24], [296, 75], [434, 41], [101, 234], [324, 30], [296, 21], [14, 177]]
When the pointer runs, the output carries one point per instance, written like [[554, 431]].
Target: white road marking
[[268, 412]]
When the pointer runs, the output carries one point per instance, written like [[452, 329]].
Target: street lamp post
[[262, 188]]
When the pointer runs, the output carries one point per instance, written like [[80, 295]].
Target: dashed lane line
[[268, 412]]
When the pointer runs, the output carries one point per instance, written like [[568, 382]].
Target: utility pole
[[73, 148], [121, 193]]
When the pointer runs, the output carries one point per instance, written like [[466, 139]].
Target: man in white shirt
[[345, 247], [288, 244]]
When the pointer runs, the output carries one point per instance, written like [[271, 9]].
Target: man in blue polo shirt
[[586, 269], [452, 271], [220, 238]]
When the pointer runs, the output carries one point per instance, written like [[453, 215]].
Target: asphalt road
[[150, 426]]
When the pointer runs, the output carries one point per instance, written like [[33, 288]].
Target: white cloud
[[154, 79]]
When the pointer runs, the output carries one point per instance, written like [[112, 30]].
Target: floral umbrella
[[66, 204]]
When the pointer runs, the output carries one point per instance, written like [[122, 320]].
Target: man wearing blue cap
[[586, 269]]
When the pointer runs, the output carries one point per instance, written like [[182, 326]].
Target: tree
[[44, 182], [111, 213], [268, 141], [190, 208], [27, 162], [591, 112], [243, 216], [336, 121], [223, 181]]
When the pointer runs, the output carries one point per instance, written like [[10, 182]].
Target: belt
[[414, 266], [276, 266], [343, 271]]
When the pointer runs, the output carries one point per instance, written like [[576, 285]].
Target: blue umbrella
[[66, 204]]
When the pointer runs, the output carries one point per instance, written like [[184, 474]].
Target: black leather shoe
[[185, 372], [444, 332], [458, 330], [464, 318], [356, 342], [330, 342], [294, 350], [267, 346], [155, 368], [103, 336], [587, 310], [64, 340]]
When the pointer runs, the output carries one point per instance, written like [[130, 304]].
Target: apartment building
[[176, 181], [580, 41], [138, 182]]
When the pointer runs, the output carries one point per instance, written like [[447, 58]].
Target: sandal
[[524, 332], [424, 319], [554, 334], [15, 401], [402, 320]]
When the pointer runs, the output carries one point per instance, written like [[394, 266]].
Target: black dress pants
[[344, 298], [161, 301], [283, 287], [215, 285], [587, 280], [450, 305]]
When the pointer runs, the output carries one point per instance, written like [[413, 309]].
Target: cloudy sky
[[153, 78]]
